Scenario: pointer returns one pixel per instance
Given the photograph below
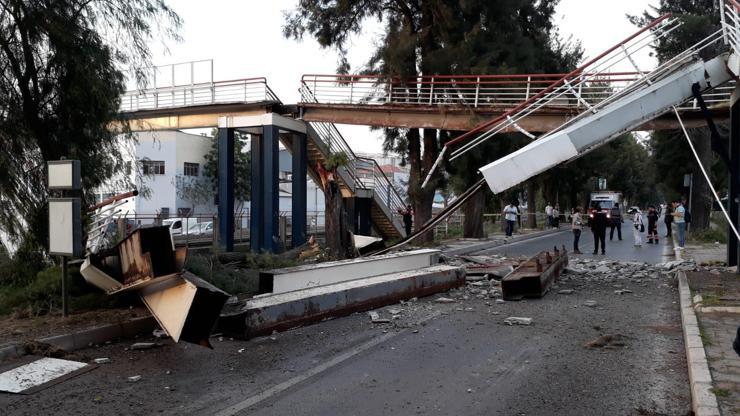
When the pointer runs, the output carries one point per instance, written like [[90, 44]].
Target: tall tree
[[426, 37], [700, 18], [242, 168], [61, 81]]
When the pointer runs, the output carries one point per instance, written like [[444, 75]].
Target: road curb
[[704, 402], [77, 340], [497, 243]]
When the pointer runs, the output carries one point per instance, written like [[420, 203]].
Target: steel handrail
[[334, 141]]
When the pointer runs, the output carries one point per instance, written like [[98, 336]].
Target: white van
[[179, 225]]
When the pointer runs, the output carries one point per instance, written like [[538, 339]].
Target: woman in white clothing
[[638, 227]]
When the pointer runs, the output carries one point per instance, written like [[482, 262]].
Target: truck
[[606, 200]]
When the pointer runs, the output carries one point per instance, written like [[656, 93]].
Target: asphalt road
[[623, 250], [438, 359]]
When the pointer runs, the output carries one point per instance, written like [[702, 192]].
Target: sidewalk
[[716, 300]]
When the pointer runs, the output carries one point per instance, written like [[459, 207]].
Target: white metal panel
[[631, 111], [36, 373], [169, 302], [302, 277], [528, 161], [61, 226], [60, 175], [97, 277]]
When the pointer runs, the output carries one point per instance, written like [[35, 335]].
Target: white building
[[171, 162], [173, 170]]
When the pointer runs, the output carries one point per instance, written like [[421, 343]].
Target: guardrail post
[[477, 91], [431, 91], [529, 83], [351, 91]]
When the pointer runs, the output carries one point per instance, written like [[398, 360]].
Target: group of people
[[600, 220], [553, 216]]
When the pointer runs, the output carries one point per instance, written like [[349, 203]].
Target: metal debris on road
[[590, 303], [101, 360], [622, 291], [517, 320], [565, 291], [534, 277], [134, 379], [444, 300], [144, 346]]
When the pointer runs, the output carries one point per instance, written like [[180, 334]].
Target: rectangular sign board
[[65, 230], [64, 174]]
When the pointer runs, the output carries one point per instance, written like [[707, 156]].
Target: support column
[[298, 202], [734, 187], [270, 191], [363, 222], [255, 205], [226, 188]]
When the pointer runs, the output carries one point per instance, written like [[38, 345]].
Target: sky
[[244, 39]]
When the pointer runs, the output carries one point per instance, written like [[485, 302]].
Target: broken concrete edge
[[704, 402], [497, 243], [293, 309], [77, 340]]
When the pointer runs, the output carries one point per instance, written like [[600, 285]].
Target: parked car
[[201, 228]]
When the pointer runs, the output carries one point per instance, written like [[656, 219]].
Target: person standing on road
[[615, 221], [577, 225], [679, 217], [598, 228], [652, 216], [638, 227], [408, 218], [510, 212], [668, 219], [556, 216], [548, 213]]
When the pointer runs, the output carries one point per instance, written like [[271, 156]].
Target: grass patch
[[719, 392], [43, 294], [705, 338], [235, 273], [709, 235]]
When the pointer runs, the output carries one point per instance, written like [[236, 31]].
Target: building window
[[153, 167], [191, 169]]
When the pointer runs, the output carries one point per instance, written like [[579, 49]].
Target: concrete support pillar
[[265, 207], [363, 222], [734, 168], [298, 203], [226, 188]]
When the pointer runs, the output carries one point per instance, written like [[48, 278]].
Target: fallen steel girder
[[321, 274], [534, 277], [185, 306], [264, 314]]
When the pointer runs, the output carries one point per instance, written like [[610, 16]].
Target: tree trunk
[[473, 211], [531, 204], [339, 242], [701, 198]]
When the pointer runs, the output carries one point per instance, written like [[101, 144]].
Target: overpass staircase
[[360, 177]]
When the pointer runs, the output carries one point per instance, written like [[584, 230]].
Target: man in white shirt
[[679, 217], [510, 212], [548, 212]]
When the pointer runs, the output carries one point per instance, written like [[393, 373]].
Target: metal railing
[[248, 90], [729, 15], [365, 173], [474, 91]]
